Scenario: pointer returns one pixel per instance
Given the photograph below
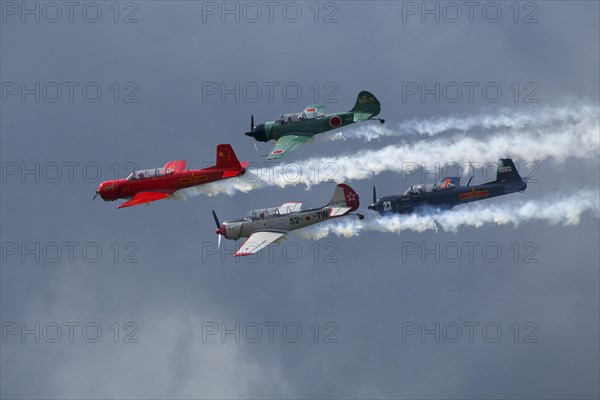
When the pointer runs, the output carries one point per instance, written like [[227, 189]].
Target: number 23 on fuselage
[[449, 193]]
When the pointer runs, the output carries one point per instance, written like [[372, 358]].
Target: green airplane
[[292, 130]]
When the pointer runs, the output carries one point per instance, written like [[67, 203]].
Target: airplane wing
[[145, 197], [289, 208], [285, 144], [315, 108], [258, 241], [174, 166], [337, 211]]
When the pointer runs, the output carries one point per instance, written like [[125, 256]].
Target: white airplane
[[265, 226]]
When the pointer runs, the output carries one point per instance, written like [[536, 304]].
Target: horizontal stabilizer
[[339, 211], [230, 173]]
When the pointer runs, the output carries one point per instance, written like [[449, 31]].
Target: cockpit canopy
[[297, 117], [285, 209], [262, 213], [428, 188], [146, 173], [289, 118]]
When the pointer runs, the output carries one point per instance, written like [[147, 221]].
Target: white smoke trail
[[580, 140], [566, 210], [573, 138], [229, 187], [543, 116]]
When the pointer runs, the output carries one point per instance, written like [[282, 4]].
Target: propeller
[[220, 229], [250, 133], [373, 206], [96, 195], [216, 219]]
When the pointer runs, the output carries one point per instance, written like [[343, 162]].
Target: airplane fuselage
[[446, 198], [309, 127], [313, 126], [126, 188], [284, 222]]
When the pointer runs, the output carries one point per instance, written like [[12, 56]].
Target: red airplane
[[149, 185]]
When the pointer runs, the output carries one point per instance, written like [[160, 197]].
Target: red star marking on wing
[[307, 218]]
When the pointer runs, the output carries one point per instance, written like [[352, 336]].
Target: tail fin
[[227, 161], [344, 200], [507, 172], [366, 106]]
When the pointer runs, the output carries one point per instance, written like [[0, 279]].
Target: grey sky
[[168, 61]]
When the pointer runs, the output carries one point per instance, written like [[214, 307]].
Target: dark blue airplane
[[448, 193]]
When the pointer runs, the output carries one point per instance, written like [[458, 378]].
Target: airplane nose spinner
[[221, 230], [258, 133]]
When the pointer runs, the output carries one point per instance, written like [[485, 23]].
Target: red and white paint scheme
[[265, 226]]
